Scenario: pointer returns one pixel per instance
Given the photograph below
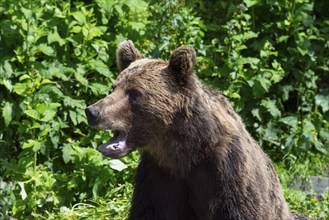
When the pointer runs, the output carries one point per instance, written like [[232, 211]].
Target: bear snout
[[92, 113]]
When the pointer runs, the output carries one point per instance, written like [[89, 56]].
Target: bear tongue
[[114, 147]]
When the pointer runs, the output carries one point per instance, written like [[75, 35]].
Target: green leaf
[[319, 146], [249, 35], [79, 76], [76, 29], [32, 113], [118, 9], [53, 105], [44, 132], [97, 31], [255, 113], [138, 6], [137, 25], [80, 17], [20, 88], [36, 147], [234, 95], [24, 77], [67, 151], [48, 115], [85, 32], [247, 60], [250, 3], [41, 108], [6, 70], [107, 5], [44, 48], [30, 143], [75, 103], [323, 101], [291, 121], [100, 67], [7, 113], [52, 89], [265, 83], [73, 117], [47, 81], [27, 13], [271, 107], [96, 185], [325, 135], [54, 37], [286, 90], [22, 192], [283, 38], [7, 84]]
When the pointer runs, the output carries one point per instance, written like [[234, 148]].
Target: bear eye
[[134, 94]]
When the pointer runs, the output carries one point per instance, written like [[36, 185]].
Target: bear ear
[[126, 54], [181, 63]]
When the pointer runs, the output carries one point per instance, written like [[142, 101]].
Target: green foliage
[[269, 57], [54, 61], [311, 204]]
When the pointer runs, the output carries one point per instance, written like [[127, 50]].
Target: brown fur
[[198, 161]]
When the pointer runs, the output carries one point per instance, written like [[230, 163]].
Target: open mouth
[[117, 146]]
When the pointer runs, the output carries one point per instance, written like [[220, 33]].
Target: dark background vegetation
[[270, 57]]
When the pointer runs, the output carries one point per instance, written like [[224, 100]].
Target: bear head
[[147, 96]]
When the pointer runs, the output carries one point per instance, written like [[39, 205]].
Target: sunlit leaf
[[54, 37], [67, 150], [20, 88], [117, 165], [79, 16], [22, 192], [46, 49], [250, 3], [32, 113], [48, 115], [7, 113], [7, 84], [29, 144]]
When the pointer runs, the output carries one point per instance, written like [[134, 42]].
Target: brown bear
[[197, 159]]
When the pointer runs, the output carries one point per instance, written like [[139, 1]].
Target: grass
[[310, 204]]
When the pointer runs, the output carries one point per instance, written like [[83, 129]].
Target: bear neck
[[196, 131]]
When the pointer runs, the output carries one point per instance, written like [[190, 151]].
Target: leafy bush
[[269, 57], [55, 59]]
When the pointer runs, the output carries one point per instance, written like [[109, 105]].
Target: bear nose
[[92, 112]]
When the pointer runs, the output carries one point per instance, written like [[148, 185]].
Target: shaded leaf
[[271, 107], [323, 101]]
